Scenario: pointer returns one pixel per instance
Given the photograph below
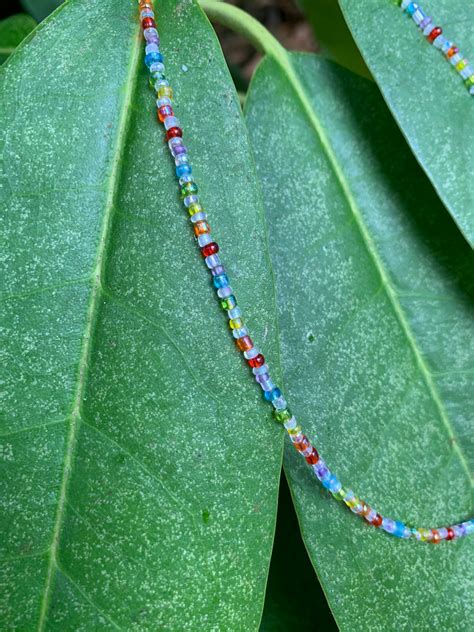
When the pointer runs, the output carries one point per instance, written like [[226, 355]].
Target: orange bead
[[435, 539], [201, 227], [245, 343]]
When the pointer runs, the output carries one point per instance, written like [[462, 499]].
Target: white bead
[[160, 103], [418, 17], [466, 72], [455, 59], [224, 292], [198, 217], [427, 30], [279, 403], [204, 239], [290, 424], [212, 261], [235, 312], [171, 121], [251, 353]]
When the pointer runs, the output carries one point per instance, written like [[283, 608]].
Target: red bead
[[173, 131], [148, 23], [164, 111], [434, 33], [313, 458], [210, 249], [377, 521], [245, 343], [450, 535], [254, 363]]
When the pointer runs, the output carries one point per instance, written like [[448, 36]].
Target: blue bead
[[412, 8], [399, 529], [271, 395], [151, 58], [221, 280], [183, 170]]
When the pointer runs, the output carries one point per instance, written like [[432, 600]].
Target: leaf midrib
[[92, 313], [239, 21]]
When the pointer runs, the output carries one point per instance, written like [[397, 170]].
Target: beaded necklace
[[255, 359], [434, 35]]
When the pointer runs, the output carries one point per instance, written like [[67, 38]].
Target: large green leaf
[[333, 35], [140, 467], [12, 31], [426, 96], [375, 297]]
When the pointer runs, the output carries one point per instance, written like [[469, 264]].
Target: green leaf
[[12, 31], [140, 467], [294, 599], [333, 35], [425, 95], [376, 302], [40, 9]]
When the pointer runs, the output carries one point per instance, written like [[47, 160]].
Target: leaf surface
[[375, 299], [425, 95], [140, 467]]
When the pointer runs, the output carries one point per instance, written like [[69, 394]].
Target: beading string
[[255, 359]]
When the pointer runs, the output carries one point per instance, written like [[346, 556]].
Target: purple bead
[[321, 470], [151, 35], [389, 525], [218, 270], [424, 22], [179, 149], [262, 378], [459, 530]]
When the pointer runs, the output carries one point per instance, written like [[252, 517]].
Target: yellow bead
[[424, 534], [236, 323], [462, 64], [194, 208], [353, 502], [296, 430], [165, 91]]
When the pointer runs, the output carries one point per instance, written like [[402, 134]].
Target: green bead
[[229, 302], [154, 77], [340, 494], [469, 81], [282, 415], [190, 188]]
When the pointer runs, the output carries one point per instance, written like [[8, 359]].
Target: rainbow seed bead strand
[[434, 35], [255, 359]]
